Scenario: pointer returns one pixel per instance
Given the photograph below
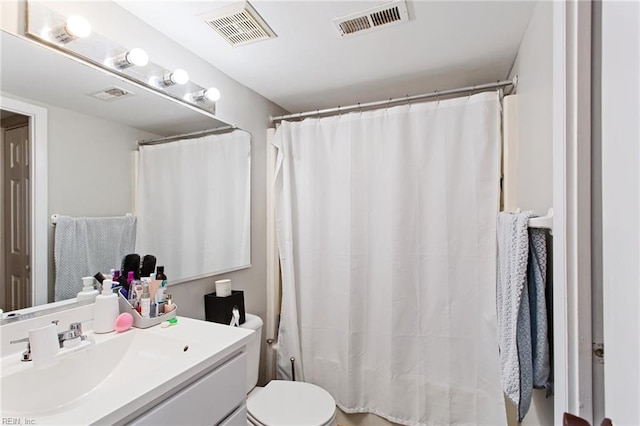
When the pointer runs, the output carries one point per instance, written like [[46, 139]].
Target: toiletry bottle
[[145, 301], [131, 294], [88, 291], [169, 306], [137, 295], [160, 302], [160, 275], [130, 279], [106, 309]]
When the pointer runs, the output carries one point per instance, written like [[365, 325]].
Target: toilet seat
[[283, 403]]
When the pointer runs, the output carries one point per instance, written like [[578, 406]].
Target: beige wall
[[533, 66]]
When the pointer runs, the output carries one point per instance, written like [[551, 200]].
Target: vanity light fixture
[[211, 94], [135, 56], [178, 76], [45, 24], [75, 27]]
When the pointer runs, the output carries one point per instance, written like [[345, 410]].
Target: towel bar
[[545, 222], [54, 218]]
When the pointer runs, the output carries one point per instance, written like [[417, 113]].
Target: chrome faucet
[[74, 331]]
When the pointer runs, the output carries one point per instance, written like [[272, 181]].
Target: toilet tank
[[253, 322]]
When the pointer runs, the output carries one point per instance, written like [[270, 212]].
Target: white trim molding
[[621, 209], [572, 206]]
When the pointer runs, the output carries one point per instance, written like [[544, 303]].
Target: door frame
[[38, 189], [620, 85], [572, 209]]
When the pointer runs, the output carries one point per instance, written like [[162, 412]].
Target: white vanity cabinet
[[217, 398], [191, 373]]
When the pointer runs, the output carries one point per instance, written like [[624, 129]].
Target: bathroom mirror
[[91, 142]]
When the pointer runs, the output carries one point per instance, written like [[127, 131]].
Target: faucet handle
[[26, 355], [74, 331]]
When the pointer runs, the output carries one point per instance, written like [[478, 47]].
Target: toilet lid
[[292, 403]]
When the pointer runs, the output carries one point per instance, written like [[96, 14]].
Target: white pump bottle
[[88, 291], [106, 309]]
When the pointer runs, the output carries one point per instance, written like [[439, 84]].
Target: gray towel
[[87, 245], [512, 300], [537, 277]]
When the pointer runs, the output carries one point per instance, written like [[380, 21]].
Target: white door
[[621, 209]]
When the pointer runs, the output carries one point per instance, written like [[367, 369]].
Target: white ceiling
[[446, 44]]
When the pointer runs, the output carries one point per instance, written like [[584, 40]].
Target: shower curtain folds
[[386, 230]]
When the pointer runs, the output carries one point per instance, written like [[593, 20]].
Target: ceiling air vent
[[382, 16], [238, 24], [111, 93]]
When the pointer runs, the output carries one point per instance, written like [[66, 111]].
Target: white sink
[[130, 356], [115, 376]]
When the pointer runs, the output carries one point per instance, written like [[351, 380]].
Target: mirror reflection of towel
[[86, 245]]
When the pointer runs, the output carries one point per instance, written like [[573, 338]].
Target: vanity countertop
[[120, 376]]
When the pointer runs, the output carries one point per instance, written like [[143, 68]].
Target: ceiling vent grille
[[111, 93], [239, 24], [382, 16]]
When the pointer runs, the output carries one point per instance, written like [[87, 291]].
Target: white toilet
[[283, 402]]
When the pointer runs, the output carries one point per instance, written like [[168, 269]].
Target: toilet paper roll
[[44, 346], [223, 288]]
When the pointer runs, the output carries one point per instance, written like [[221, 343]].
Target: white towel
[[514, 333], [85, 246]]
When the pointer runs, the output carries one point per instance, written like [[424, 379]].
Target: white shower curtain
[[386, 227], [194, 200]]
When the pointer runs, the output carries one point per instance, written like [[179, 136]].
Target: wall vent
[[111, 93], [238, 24], [382, 16]]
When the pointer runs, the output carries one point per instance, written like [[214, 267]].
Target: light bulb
[[178, 76], [78, 27], [135, 56], [75, 27], [210, 94]]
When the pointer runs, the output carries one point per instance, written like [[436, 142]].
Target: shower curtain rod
[[167, 139], [340, 109]]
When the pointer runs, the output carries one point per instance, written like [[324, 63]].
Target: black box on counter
[[220, 309]]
